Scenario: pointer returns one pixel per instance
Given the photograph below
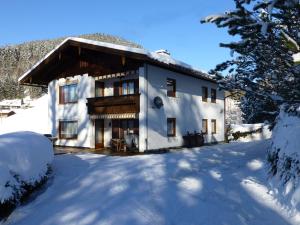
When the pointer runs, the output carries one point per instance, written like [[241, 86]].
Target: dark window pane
[[171, 127], [213, 126], [99, 89], [213, 95], [171, 87], [68, 129], [204, 126], [204, 94]]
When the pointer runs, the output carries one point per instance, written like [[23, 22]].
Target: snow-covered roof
[[154, 57]]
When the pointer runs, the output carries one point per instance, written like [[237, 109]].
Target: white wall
[[187, 107], [143, 108], [77, 111]]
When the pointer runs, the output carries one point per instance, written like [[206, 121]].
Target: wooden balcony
[[114, 104]]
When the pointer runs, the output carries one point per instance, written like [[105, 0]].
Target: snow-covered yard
[[221, 184]]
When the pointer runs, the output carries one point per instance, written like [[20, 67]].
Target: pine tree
[[263, 63]]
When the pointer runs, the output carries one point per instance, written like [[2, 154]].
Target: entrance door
[[99, 133]]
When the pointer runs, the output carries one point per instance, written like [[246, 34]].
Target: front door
[[99, 133]]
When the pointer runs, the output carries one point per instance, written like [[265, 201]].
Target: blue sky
[[172, 25]]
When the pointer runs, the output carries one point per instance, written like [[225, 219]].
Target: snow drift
[[33, 119], [284, 157], [25, 159]]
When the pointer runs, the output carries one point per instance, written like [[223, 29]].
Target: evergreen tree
[[262, 65]]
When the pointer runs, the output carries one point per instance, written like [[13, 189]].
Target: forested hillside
[[17, 59]]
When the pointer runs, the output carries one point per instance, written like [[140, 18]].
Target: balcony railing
[[114, 104]]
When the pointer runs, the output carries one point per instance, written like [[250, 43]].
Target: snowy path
[[222, 185]]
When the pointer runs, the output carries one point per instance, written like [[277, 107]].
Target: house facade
[[101, 93]]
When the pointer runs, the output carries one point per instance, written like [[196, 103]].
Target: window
[[171, 87], [204, 126], [213, 95], [99, 89], [213, 126], [127, 127], [68, 129], [171, 127], [204, 94], [128, 87], [123, 127], [68, 94]]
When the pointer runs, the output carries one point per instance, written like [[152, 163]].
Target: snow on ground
[[25, 155], [32, 119], [216, 185]]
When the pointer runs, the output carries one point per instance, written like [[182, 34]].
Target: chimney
[[163, 52]]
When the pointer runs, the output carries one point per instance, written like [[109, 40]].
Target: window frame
[[171, 93], [205, 121], [62, 99], [204, 93], [118, 87], [213, 126], [118, 130], [173, 121], [127, 83], [213, 99], [60, 127]]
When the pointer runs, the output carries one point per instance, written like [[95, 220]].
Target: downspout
[[147, 104]]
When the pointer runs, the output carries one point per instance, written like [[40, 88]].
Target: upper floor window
[[213, 126], [213, 95], [204, 94], [126, 87], [68, 94], [171, 87], [99, 89], [68, 129], [204, 126], [171, 127]]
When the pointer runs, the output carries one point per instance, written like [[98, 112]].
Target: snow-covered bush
[[284, 156], [248, 132], [25, 159]]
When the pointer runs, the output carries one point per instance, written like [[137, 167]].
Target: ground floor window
[[171, 127], [124, 127], [213, 126], [204, 126], [68, 129]]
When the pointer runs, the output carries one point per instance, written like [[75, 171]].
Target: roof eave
[[137, 53]]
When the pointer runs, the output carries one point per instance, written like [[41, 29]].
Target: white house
[[101, 93]]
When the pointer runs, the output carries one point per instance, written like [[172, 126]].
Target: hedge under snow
[[284, 156], [25, 158]]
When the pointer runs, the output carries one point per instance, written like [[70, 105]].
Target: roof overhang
[[47, 68]]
